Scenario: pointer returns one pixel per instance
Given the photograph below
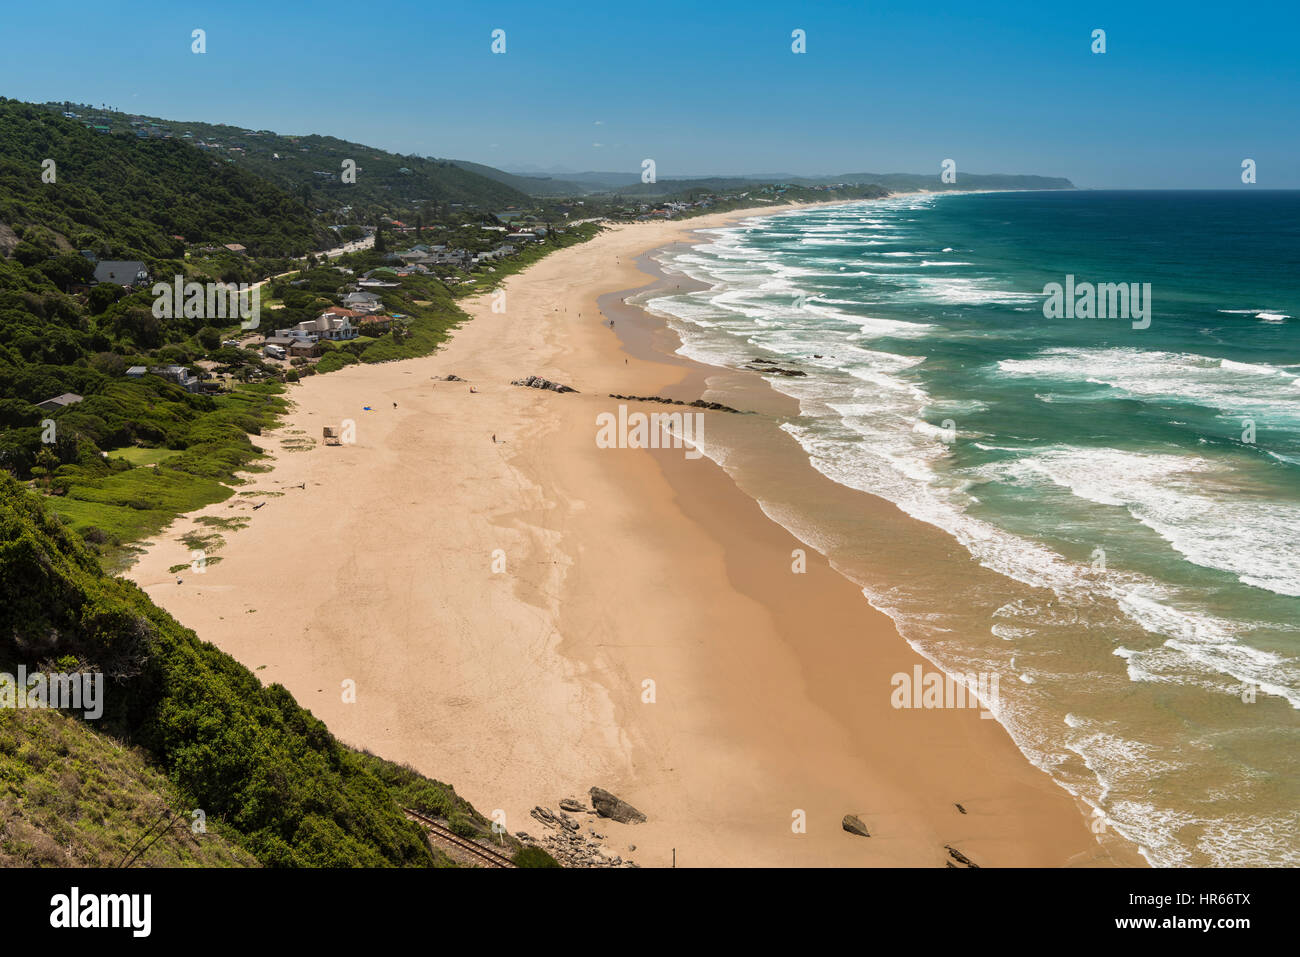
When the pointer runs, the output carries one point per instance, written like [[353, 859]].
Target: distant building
[[236, 248], [59, 402], [374, 325], [180, 375], [123, 272], [363, 302], [334, 324]]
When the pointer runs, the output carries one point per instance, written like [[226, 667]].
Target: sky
[[1182, 95]]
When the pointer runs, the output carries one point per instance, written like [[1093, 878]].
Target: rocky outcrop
[[697, 404], [567, 845], [767, 366], [537, 382], [607, 805], [959, 857], [853, 824], [572, 804]]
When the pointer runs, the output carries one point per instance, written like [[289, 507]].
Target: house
[[236, 248], [123, 272], [334, 324], [374, 325], [180, 375], [59, 402], [363, 302], [136, 372], [303, 347]]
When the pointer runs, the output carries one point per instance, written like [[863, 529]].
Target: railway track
[[489, 857]]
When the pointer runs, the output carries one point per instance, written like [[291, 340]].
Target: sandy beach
[[526, 614]]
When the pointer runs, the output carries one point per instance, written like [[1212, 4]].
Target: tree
[[103, 296], [380, 245], [209, 337]]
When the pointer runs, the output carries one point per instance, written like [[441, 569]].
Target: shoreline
[[525, 686]]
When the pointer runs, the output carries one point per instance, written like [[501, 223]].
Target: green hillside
[[126, 197], [310, 167], [268, 775], [528, 185]]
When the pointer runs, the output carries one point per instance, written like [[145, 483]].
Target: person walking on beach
[[494, 438]]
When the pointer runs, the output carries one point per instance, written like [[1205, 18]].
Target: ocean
[[1120, 496]]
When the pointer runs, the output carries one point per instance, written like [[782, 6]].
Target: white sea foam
[[1202, 510], [860, 412], [1267, 392]]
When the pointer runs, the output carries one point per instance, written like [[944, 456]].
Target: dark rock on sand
[[960, 808], [607, 805], [537, 382], [545, 816], [853, 824], [697, 404], [572, 804], [959, 857], [776, 370]]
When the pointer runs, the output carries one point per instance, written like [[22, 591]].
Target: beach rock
[[697, 404], [545, 816], [537, 382], [959, 857], [572, 804], [452, 378], [607, 805], [777, 370], [853, 824]]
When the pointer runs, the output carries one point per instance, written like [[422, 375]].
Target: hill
[[528, 185], [128, 197], [912, 181], [629, 183], [265, 773], [310, 167]]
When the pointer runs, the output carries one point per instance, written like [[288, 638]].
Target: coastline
[[525, 686]]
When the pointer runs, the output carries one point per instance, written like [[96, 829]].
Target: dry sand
[[523, 686]]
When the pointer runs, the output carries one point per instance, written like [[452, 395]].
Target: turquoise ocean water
[[1130, 495]]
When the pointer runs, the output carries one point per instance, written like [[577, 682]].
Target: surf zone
[[1105, 300]]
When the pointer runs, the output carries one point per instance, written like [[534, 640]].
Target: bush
[[530, 856]]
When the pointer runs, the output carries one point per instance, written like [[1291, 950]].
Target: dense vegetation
[[128, 198], [266, 772], [310, 167]]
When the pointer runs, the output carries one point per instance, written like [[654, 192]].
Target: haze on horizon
[[1181, 96]]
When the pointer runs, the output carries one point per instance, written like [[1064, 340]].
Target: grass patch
[[138, 455]]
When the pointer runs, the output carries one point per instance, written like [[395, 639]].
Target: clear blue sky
[[1184, 92]]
